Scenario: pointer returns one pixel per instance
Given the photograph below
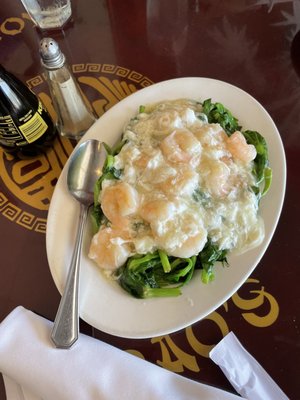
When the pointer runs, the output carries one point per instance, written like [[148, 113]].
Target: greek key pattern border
[[23, 218], [100, 68]]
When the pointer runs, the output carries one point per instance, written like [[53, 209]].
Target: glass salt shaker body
[[74, 113]]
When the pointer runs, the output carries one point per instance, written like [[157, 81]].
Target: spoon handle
[[66, 325]]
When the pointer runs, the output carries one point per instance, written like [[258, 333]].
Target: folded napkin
[[33, 369]]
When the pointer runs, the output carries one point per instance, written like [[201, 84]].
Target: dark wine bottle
[[25, 125]]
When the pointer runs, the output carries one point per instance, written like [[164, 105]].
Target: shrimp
[[182, 235], [181, 146], [240, 149], [158, 210], [183, 183], [147, 159], [191, 246], [166, 121], [110, 248], [217, 179], [118, 202], [142, 161], [211, 135]]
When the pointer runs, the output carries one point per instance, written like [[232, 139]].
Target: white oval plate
[[105, 305]]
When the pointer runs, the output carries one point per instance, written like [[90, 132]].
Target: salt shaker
[[74, 113]]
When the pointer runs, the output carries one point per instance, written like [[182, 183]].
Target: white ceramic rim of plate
[[104, 304]]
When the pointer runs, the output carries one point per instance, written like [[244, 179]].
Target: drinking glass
[[48, 14]]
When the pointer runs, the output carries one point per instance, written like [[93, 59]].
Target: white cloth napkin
[[33, 369]]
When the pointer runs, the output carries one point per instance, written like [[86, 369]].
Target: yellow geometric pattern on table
[[31, 181]]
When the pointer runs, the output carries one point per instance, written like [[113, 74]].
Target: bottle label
[[34, 128], [9, 131], [31, 130]]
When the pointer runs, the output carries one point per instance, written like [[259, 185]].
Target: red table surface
[[116, 48]]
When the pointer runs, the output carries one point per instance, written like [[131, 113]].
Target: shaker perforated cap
[[51, 55]]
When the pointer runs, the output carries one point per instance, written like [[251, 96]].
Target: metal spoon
[[85, 167]]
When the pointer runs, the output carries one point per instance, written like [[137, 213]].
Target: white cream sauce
[[189, 185]]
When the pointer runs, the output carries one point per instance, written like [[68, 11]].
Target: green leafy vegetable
[[116, 149], [217, 113], [268, 175], [207, 258], [261, 169], [164, 261], [155, 274]]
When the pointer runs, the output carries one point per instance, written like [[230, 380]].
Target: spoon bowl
[[84, 169], [85, 166]]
